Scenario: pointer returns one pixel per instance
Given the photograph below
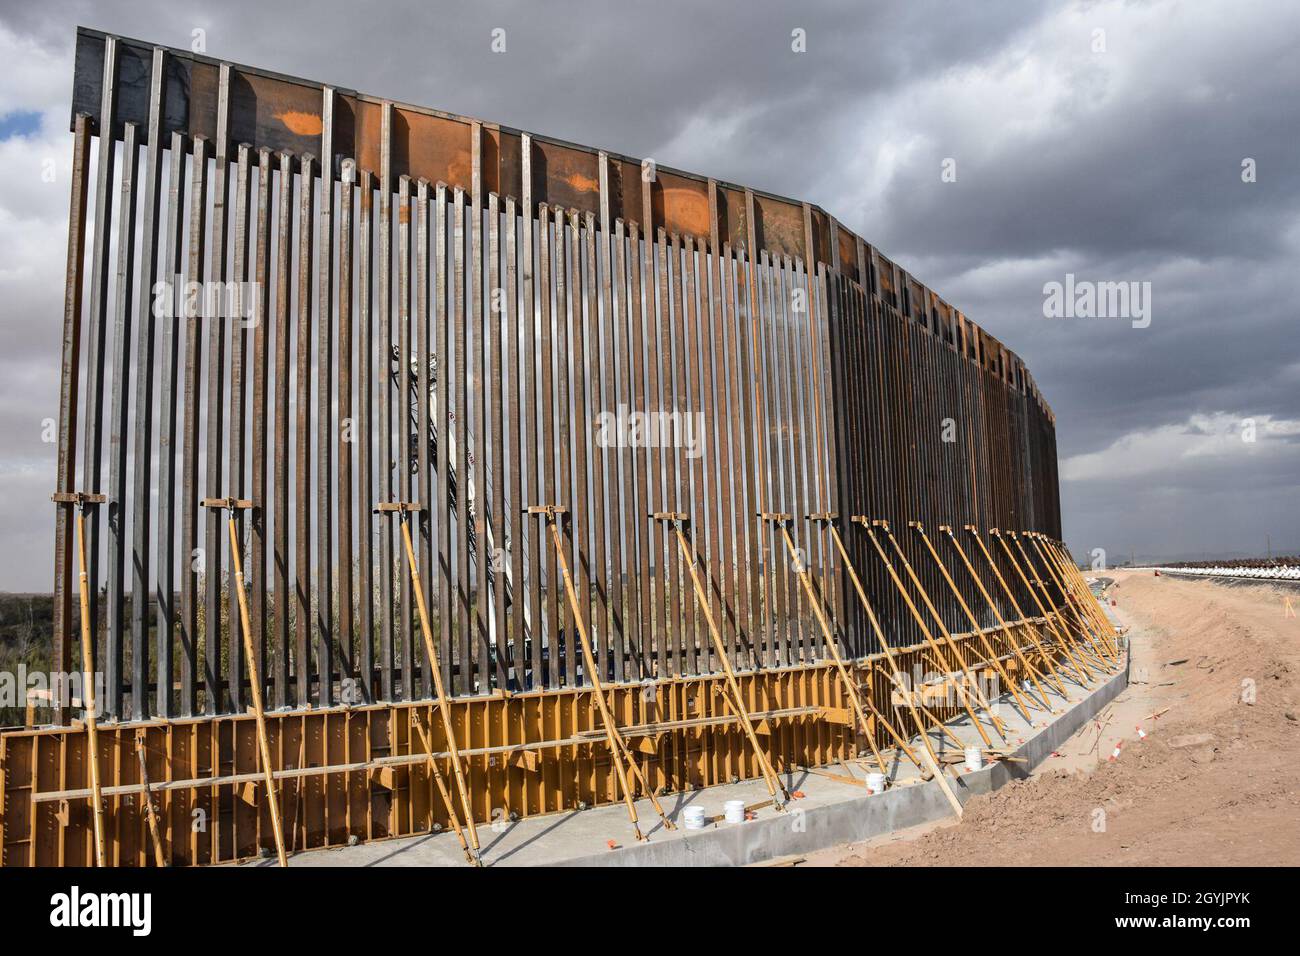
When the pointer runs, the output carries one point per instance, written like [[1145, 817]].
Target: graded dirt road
[[1216, 781]]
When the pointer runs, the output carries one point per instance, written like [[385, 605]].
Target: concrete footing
[[834, 809]]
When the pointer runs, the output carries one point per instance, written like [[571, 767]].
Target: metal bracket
[[234, 504], [548, 511], [79, 498], [399, 507]]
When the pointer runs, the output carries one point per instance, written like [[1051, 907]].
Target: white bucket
[[974, 758], [876, 782], [693, 817], [734, 811]]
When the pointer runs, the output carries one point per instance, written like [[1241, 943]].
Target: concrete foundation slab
[[830, 810]]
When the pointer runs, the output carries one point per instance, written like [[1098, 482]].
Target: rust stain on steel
[[581, 183], [300, 124]]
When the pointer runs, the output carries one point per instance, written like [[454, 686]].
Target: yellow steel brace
[[617, 745], [770, 777], [81, 500], [146, 797], [976, 627], [1085, 635], [1030, 628], [254, 679], [1063, 636], [1069, 588], [868, 525], [1033, 630], [402, 509]]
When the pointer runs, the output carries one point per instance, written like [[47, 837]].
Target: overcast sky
[[1104, 140]]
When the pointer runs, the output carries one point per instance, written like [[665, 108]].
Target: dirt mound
[[1215, 782]]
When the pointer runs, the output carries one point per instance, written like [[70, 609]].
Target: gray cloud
[[1123, 164]]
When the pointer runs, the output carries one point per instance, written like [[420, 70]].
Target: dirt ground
[[1216, 781]]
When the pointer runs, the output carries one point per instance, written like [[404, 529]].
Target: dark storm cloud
[[1114, 165]]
